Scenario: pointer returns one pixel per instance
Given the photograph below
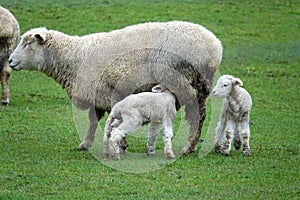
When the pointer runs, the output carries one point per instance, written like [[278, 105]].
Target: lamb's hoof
[[225, 153], [237, 145], [246, 153], [150, 152], [5, 102], [217, 148], [170, 156], [106, 155], [115, 156]]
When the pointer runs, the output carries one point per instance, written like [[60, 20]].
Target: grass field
[[261, 40]]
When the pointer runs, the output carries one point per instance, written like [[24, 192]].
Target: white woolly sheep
[[100, 69], [9, 36], [157, 107], [235, 117]]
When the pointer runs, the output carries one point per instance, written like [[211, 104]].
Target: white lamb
[[235, 117], [157, 107]]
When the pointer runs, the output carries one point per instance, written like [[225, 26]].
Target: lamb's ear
[[158, 89], [41, 37], [237, 81]]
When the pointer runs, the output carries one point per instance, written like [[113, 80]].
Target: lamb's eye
[[225, 85], [27, 44]]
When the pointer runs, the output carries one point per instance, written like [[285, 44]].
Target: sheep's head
[[29, 53], [224, 86]]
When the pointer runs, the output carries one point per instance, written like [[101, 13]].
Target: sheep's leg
[[167, 137], [5, 76], [195, 118], [228, 133], [94, 116], [153, 132], [245, 137]]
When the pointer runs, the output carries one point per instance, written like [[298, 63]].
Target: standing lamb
[[235, 117], [157, 107], [9, 36], [100, 69]]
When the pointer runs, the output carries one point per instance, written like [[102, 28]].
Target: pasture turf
[[261, 40]]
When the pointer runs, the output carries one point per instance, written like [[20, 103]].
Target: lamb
[[100, 69], [157, 107], [9, 36], [235, 117]]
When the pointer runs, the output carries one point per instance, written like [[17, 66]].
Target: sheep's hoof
[[187, 149], [83, 147]]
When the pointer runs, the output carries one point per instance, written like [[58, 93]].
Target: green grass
[[261, 40]]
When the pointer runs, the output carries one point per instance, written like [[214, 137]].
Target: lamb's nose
[[10, 61]]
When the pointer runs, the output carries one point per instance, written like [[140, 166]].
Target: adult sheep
[[100, 69], [9, 36]]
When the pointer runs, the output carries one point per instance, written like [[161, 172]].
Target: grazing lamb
[[157, 107], [100, 69], [235, 117], [9, 36]]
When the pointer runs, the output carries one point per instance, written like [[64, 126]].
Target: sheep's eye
[[225, 85]]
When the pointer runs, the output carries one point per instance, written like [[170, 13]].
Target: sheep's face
[[29, 53], [224, 86]]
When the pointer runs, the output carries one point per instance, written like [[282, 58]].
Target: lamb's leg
[[167, 137], [129, 124], [228, 133], [245, 137], [94, 116], [5, 76], [114, 143], [153, 132], [218, 137], [106, 137], [195, 118], [237, 138], [107, 134]]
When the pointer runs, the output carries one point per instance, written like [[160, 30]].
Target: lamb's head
[[29, 53], [224, 85]]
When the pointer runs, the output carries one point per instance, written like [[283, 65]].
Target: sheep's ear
[[237, 81], [158, 89], [41, 37]]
